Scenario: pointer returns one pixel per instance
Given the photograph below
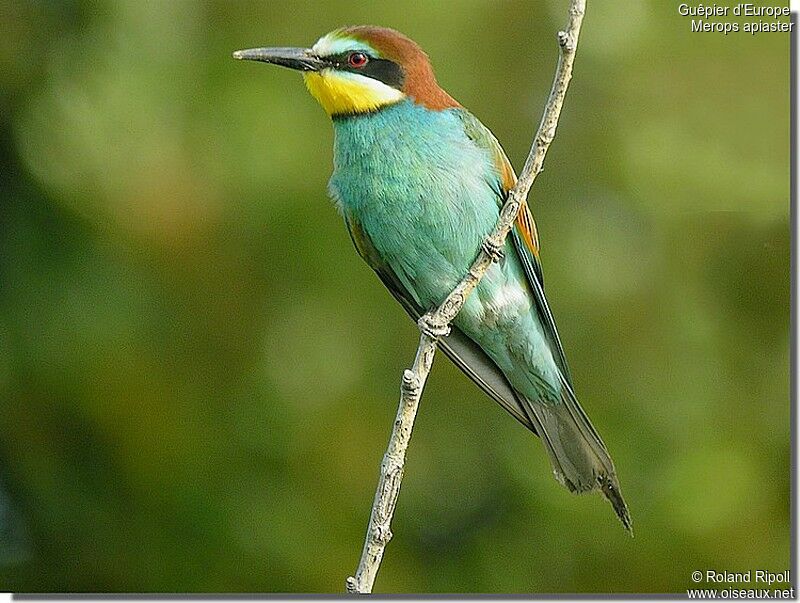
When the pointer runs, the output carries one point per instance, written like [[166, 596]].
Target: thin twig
[[436, 324]]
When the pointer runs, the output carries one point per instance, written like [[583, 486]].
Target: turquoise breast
[[420, 190], [426, 196]]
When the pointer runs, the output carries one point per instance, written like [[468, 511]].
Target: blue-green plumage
[[420, 190], [420, 183], [426, 196]]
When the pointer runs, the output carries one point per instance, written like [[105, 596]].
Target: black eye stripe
[[383, 70]]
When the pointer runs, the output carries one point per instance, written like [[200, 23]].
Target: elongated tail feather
[[579, 458]]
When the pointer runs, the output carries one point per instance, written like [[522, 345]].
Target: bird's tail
[[579, 457]]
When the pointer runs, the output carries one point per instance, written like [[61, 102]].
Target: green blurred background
[[198, 375]]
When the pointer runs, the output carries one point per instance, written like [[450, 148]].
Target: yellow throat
[[343, 93]]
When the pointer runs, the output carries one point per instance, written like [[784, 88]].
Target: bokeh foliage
[[198, 375]]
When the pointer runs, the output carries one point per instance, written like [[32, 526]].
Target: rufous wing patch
[[525, 222], [527, 228]]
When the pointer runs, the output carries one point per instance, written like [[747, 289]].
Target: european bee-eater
[[419, 182]]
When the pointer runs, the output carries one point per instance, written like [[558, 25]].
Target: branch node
[[382, 534], [565, 41], [409, 386], [432, 327], [351, 585]]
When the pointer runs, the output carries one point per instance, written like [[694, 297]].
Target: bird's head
[[360, 69]]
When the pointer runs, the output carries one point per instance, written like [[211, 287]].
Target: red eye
[[357, 59]]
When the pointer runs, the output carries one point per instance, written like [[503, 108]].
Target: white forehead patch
[[334, 43]]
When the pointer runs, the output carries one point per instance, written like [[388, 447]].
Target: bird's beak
[[301, 59]]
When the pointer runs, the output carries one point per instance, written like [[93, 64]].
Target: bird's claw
[[493, 249], [431, 328]]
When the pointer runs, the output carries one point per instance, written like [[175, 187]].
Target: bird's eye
[[357, 59]]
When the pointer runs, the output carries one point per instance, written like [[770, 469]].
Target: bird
[[420, 183]]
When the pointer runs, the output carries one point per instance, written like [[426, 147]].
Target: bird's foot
[[493, 249], [433, 328]]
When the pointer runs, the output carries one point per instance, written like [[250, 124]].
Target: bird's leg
[[432, 327], [493, 248]]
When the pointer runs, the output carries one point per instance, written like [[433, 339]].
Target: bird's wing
[[464, 352], [524, 235]]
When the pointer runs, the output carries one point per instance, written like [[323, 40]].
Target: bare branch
[[436, 323]]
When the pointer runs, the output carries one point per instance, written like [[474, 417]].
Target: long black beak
[[301, 59]]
